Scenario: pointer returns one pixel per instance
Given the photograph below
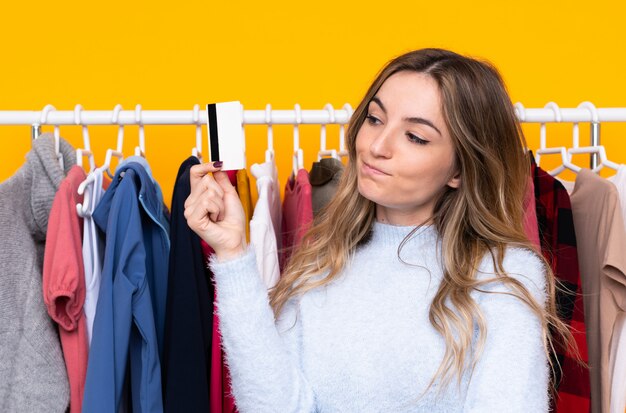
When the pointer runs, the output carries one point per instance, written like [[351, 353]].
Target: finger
[[222, 214], [195, 214], [204, 185], [215, 209], [200, 202], [195, 180], [212, 187], [198, 171], [223, 180], [195, 221], [198, 213]]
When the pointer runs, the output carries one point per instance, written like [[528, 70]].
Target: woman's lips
[[369, 169]]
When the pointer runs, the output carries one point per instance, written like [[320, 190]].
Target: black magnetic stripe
[[215, 146]]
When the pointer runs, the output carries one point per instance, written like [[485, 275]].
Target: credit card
[[226, 141]]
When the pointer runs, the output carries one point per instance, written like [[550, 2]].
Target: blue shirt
[[130, 314]]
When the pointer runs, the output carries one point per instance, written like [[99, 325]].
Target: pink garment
[[232, 175], [229, 399], [64, 282], [220, 394], [297, 213], [531, 227], [216, 390]]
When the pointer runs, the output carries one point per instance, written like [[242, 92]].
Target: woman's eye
[[373, 120], [416, 139]]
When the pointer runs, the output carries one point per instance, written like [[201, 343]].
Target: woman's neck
[[399, 217]]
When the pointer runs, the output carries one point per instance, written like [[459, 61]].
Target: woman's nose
[[381, 145]]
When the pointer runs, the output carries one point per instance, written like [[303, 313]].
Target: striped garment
[[558, 245]]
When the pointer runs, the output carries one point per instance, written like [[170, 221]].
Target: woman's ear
[[455, 181]]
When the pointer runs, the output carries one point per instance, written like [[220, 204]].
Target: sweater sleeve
[[263, 357], [512, 374]]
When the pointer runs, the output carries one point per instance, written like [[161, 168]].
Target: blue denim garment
[[162, 215], [130, 314]]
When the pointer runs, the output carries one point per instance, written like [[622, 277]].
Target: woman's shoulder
[[519, 263]]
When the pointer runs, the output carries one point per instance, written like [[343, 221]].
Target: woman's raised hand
[[214, 212]]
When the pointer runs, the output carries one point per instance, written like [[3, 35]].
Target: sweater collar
[[43, 178], [393, 235]]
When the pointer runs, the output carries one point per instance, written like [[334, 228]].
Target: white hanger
[[120, 143], [84, 188], [197, 151], [57, 136], [141, 149], [342, 132], [269, 152], [520, 111], [243, 135], [86, 151], [544, 150], [298, 155], [323, 151], [600, 150]]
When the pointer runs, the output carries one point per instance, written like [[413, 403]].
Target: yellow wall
[[172, 55]]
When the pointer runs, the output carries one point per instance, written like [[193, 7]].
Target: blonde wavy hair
[[484, 215]]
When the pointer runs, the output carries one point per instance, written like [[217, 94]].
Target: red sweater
[[64, 282]]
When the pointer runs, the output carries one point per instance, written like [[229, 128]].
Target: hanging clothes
[[64, 281], [160, 216], [264, 231], [243, 189], [531, 227], [559, 247], [188, 329], [297, 213], [221, 399], [601, 239], [32, 376], [93, 252], [130, 316], [619, 180], [324, 178], [617, 369], [216, 385]]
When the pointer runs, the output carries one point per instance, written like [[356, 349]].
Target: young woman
[[416, 290]]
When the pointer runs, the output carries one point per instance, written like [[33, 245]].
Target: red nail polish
[[217, 164]]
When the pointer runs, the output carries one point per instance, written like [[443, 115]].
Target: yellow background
[[172, 55]]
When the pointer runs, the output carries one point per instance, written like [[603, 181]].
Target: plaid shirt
[[558, 245]]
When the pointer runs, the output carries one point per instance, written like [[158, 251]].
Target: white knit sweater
[[364, 342]]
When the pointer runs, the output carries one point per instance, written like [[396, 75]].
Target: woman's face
[[404, 153]]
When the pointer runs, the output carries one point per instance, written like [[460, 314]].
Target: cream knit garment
[[364, 342]]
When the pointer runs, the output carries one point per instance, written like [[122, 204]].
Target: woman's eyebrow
[[413, 119]]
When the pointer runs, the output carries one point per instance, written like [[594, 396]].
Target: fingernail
[[217, 164]]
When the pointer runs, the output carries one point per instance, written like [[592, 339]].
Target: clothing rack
[[585, 112]]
